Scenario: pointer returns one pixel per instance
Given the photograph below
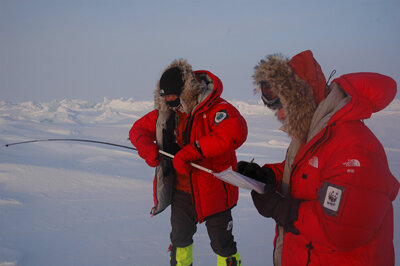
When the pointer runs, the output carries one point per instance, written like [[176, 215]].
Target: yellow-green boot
[[182, 256], [233, 260]]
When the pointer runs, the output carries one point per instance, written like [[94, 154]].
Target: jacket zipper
[[309, 246], [186, 140], [188, 129], [324, 137], [311, 149]]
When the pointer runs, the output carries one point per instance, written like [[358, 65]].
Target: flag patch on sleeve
[[330, 196], [220, 116]]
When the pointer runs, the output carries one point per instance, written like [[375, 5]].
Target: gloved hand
[[262, 174], [184, 157], [283, 210], [149, 152]]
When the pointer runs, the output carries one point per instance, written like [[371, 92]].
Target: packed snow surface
[[73, 203]]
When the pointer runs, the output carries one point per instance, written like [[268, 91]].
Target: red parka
[[219, 129], [342, 175], [335, 165]]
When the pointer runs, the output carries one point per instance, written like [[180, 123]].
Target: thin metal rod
[[192, 164], [80, 140], [107, 143]]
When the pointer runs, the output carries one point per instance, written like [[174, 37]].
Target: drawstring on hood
[[300, 86]]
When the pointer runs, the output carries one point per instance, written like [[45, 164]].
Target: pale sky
[[57, 49]]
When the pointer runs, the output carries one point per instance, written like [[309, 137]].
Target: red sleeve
[[227, 135], [143, 131], [278, 170]]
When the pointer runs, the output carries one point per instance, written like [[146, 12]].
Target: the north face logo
[[352, 163], [230, 226], [313, 161]]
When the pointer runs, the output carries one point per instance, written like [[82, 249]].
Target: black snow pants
[[184, 226]]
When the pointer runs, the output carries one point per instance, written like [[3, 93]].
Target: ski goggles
[[270, 99]]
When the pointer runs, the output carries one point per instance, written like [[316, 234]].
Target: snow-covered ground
[[73, 203]]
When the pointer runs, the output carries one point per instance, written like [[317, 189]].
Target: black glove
[[284, 211], [262, 174]]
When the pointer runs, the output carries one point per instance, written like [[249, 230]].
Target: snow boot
[[233, 260], [181, 256]]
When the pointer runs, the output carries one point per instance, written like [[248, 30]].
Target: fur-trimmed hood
[[198, 85], [300, 85]]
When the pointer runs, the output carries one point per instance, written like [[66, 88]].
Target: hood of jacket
[[370, 93], [299, 83], [199, 86]]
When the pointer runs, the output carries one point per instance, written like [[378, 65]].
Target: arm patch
[[330, 196], [220, 116]]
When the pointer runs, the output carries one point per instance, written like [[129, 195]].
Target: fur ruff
[[295, 94], [191, 89]]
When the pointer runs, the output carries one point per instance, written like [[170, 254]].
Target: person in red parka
[[192, 122], [332, 195]]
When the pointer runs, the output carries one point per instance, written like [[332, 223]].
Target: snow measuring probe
[[227, 175]]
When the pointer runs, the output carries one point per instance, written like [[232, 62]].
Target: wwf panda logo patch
[[330, 196], [220, 116]]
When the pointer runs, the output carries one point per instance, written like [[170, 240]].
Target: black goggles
[[269, 98]]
